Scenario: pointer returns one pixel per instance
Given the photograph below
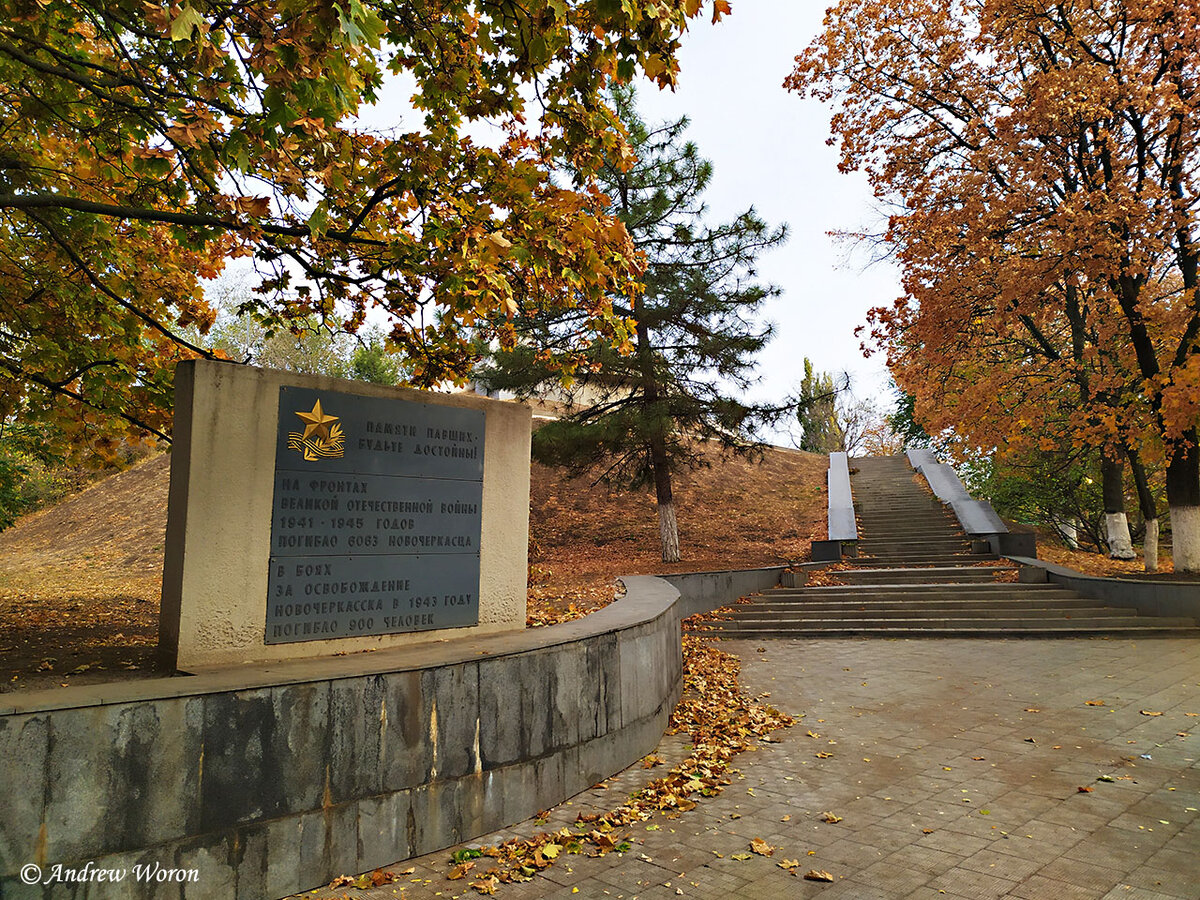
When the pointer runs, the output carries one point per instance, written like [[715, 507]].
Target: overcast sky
[[768, 150]]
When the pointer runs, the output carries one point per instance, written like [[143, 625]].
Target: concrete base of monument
[[271, 779]]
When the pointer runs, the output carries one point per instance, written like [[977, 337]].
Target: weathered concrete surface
[[1152, 598], [701, 592], [270, 780], [841, 505]]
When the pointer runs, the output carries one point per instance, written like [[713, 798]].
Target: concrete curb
[[977, 517]]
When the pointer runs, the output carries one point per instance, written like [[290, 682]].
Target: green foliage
[[903, 422], [1050, 490], [372, 362], [821, 432], [309, 345], [640, 414], [29, 474]]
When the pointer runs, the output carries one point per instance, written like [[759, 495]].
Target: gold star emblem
[[316, 422]]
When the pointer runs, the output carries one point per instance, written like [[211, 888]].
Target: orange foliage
[[146, 143], [1040, 163]]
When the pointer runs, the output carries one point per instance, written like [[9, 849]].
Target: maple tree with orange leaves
[[1039, 164], [144, 144]]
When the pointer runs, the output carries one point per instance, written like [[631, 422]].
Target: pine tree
[[645, 414]]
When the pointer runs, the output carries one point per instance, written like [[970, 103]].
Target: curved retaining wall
[[272, 780], [702, 592]]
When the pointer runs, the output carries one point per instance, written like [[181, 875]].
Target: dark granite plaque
[[376, 517]]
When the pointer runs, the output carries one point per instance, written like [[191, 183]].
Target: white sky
[[767, 147]]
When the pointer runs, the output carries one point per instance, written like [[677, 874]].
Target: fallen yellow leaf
[[761, 847], [486, 886], [460, 871]]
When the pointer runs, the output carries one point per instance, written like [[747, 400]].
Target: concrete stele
[[220, 512]]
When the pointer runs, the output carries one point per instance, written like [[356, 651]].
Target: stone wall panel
[[270, 782]]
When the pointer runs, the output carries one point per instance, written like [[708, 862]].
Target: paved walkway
[[956, 767]]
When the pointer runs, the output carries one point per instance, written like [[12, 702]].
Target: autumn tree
[[644, 415], [1039, 165], [144, 144]]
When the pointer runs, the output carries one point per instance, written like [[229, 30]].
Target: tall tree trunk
[[660, 462], [1183, 497], [1149, 510], [1112, 472]]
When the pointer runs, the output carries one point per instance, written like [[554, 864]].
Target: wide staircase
[[918, 574]]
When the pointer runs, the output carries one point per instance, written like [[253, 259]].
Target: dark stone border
[[272, 779], [1149, 598], [702, 592]]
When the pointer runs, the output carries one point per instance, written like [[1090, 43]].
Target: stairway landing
[[917, 574]]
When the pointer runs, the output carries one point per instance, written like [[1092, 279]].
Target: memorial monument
[[310, 516]]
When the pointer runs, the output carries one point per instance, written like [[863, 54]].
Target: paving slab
[[955, 766]]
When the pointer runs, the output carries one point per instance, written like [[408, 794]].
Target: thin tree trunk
[[1070, 534], [1183, 497], [1112, 471], [1149, 510], [668, 527]]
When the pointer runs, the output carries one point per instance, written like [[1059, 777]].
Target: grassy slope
[[80, 581]]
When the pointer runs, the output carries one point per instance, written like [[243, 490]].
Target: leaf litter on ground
[[722, 721]]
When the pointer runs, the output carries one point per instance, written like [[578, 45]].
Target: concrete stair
[[916, 575]]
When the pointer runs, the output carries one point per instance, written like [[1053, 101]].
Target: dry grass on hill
[[736, 514], [1053, 550], [80, 582]]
